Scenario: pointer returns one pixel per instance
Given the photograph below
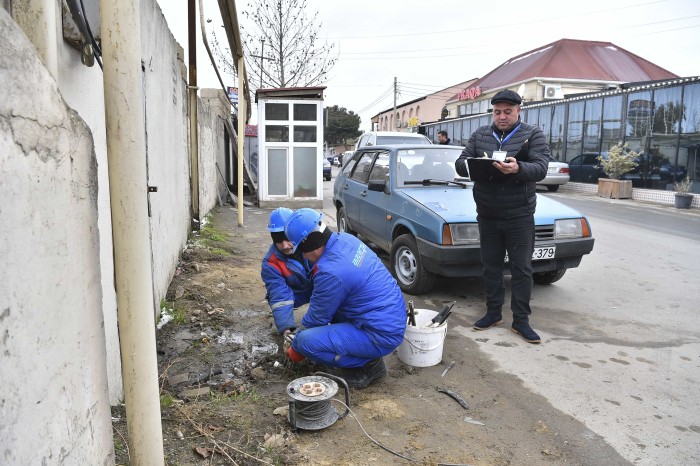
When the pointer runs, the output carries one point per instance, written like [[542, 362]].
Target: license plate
[[540, 253], [552, 169]]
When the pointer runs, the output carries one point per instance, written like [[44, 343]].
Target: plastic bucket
[[422, 345]]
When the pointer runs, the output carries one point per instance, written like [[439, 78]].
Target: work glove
[[288, 336]]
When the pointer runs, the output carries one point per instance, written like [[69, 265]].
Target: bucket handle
[[425, 349]]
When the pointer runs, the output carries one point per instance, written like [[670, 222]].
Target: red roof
[[577, 60]]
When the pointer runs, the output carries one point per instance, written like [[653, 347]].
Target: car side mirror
[[377, 185]]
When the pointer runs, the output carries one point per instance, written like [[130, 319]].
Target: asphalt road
[[621, 337]]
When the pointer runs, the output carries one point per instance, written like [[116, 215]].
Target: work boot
[[488, 321], [361, 377], [525, 331]]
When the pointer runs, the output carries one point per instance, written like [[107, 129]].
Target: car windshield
[[389, 140], [426, 164]]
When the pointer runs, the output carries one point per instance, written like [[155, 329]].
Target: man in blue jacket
[[357, 313], [505, 208], [286, 274]]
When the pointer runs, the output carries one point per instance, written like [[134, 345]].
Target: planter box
[[614, 189]]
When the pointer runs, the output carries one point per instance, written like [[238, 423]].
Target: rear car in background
[[326, 170], [557, 174], [409, 201], [383, 138]]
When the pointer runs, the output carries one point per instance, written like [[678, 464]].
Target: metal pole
[[126, 157], [242, 111]]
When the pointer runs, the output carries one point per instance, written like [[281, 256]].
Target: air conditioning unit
[[553, 92]]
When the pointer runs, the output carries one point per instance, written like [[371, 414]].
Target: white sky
[[428, 46]]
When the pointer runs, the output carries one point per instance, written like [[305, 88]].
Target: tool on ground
[[411, 314], [442, 315], [310, 407], [450, 366]]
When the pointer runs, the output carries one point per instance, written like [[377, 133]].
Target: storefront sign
[[470, 93], [251, 130]]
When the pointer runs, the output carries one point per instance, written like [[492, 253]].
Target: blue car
[[409, 201]]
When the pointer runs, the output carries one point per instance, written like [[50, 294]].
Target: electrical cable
[[97, 51], [374, 441], [313, 411]]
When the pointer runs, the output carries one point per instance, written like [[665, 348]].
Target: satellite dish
[[521, 89]]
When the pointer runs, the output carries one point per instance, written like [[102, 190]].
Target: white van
[[384, 138]]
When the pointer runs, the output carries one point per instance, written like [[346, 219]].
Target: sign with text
[[469, 93], [233, 95]]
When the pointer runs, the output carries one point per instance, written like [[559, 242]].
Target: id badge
[[500, 155]]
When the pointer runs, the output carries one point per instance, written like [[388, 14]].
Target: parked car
[[409, 201], [377, 138], [333, 160], [557, 174], [326, 170], [651, 171]]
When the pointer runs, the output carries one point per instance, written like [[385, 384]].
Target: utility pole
[[396, 122], [261, 57]]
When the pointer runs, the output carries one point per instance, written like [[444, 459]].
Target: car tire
[[547, 278], [343, 224], [552, 188], [407, 266], [328, 178]]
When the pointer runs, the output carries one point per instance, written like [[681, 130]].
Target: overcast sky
[[428, 46]]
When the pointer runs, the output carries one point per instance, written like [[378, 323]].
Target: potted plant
[[683, 199], [619, 160]]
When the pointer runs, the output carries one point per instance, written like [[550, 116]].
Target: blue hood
[[456, 205]]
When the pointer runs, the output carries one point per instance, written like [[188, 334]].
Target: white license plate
[[552, 170], [540, 253]]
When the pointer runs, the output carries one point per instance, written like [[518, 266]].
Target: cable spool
[[310, 405]]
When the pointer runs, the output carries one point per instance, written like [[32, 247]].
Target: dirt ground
[[224, 379]]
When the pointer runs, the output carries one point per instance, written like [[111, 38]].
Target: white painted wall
[[213, 109], [167, 148], [54, 406]]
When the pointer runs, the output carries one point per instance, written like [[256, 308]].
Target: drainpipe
[[126, 156], [194, 109], [242, 109]]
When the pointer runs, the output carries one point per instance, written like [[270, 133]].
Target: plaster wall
[[54, 403], [214, 109]]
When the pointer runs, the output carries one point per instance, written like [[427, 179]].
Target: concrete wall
[[54, 406], [213, 110], [167, 149]]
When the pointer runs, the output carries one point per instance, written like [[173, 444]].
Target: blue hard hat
[[301, 223], [278, 218]]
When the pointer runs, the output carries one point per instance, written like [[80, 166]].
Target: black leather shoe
[[488, 321], [526, 332], [361, 377]]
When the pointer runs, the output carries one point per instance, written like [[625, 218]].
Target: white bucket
[[422, 345]]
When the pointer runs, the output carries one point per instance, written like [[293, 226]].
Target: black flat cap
[[507, 96]]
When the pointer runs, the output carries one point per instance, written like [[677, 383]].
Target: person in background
[[286, 274], [442, 137], [357, 313], [505, 210]]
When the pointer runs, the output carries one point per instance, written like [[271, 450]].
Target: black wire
[[97, 51], [313, 410]]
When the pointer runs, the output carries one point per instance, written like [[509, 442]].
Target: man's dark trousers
[[517, 236]]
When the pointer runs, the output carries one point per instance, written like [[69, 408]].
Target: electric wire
[[97, 51], [313, 411], [370, 437]]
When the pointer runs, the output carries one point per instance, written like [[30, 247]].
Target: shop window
[[276, 133], [276, 111], [305, 112], [304, 133]]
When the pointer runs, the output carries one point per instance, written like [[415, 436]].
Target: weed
[[166, 401], [220, 252]]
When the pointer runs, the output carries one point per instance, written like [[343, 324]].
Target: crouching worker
[[357, 313], [286, 274]]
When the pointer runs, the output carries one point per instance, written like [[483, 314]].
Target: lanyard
[[507, 137]]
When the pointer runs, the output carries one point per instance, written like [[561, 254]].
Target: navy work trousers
[[517, 236]]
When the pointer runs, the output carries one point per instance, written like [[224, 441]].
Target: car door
[[354, 188], [373, 205]]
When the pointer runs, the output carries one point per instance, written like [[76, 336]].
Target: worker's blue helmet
[[302, 223], [278, 218]]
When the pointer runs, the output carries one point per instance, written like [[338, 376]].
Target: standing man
[[442, 137], [286, 274], [357, 313], [505, 210]]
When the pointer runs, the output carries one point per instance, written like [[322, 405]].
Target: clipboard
[[482, 169]]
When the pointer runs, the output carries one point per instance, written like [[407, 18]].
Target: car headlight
[[461, 233], [571, 228]]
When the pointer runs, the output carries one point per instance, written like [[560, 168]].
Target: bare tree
[[281, 46]]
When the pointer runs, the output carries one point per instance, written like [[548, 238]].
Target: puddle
[[228, 337]]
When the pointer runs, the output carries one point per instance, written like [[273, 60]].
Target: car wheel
[[547, 278], [328, 178], [552, 187], [407, 266], [343, 224]]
